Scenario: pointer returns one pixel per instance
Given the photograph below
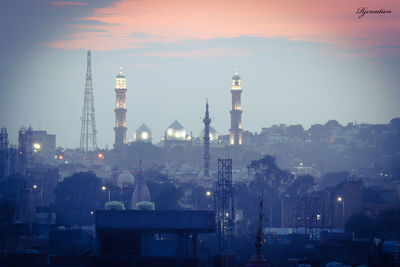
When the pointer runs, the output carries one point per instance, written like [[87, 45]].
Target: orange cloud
[[175, 20]]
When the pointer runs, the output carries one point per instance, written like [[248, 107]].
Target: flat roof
[[167, 220]]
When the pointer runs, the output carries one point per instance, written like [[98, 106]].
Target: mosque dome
[[213, 135], [176, 132], [125, 179], [143, 134]]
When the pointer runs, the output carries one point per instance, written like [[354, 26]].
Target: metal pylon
[[88, 129]]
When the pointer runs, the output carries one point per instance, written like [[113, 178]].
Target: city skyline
[[175, 59]]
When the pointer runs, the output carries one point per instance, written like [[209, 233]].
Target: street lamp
[[341, 200], [208, 193], [104, 188], [40, 193]]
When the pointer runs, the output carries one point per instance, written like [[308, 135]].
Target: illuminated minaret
[[236, 112], [206, 156], [120, 110]]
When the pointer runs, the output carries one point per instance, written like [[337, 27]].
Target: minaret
[[236, 112], [120, 110], [206, 156]]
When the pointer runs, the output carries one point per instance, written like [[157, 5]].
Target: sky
[[301, 62]]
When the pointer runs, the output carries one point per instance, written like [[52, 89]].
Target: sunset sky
[[301, 62]]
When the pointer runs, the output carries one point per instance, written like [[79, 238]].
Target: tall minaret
[[236, 112], [120, 110], [206, 156]]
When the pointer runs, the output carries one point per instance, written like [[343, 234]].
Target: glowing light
[[91, 213], [144, 135], [60, 157], [37, 146], [318, 217], [301, 164], [339, 199], [34, 186], [100, 156], [103, 188], [227, 214], [208, 193]]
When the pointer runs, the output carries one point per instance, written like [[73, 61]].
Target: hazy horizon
[[305, 67]]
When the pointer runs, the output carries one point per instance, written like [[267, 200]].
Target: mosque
[[176, 132], [177, 145]]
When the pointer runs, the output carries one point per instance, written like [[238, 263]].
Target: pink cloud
[[199, 53], [332, 22], [67, 3]]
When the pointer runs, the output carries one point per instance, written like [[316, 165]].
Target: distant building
[[4, 155], [35, 145], [236, 130], [120, 110]]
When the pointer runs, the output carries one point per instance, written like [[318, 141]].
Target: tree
[[163, 192], [301, 185], [269, 178], [198, 196], [332, 179], [76, 197]]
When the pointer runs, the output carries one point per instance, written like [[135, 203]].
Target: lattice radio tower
[[225, 209], [88, 128]]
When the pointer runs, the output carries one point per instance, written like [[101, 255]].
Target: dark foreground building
[[150, 238], [129, 238]]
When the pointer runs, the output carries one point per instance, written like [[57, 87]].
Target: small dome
[[120, 73], [213, 135], [176, 132], [125, 179], [143, 134]]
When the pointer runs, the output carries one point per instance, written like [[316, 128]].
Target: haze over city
[[300, 63], [201, 133]]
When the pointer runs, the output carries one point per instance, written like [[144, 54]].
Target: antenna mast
[[88, 129]]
